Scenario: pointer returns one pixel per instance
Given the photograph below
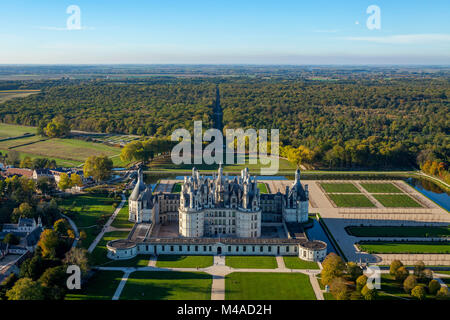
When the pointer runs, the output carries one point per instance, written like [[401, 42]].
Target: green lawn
[[351, 201], [393, 290], [251, 262], [121, 220], [176, 261], [293, 262], [387, 231], [161, 285], [340, 187], [381, 188], [404, 247], [86, 210], [101, 286], [268, 286], [396, 201], [262, 188], [99, 254], [9, 130]]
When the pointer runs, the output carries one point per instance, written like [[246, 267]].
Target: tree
[[44, 185], [32, 268], [26, 163], [76, 180], [58, 127], [419, 268], [98, 167], [12, 157], [11, 239], [49, 243], [369, 294], [61, 227], [361, 282], [79, 257], [395, 264], [23, 211], [353, 270], [401, 274], [53, 280], [339, 289], [64, 181], [332, 267], [418, 292], [26, 289], [409, 283], [434, 286], [7, 284]]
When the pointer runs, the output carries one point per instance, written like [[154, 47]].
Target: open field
[[293, 262], [99, 254], [351, 201], [397, 201], [404, 247], [161, 285], [340, 187], [389, 231], [9, 130], [6, 95], [268, 286], [101, 286], [380, 188], [251, 262], [176, 261], [85, 210]]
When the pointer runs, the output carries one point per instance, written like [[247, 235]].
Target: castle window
[[270, 249], [253, 248], [171, 248], [244, 248], [237, 248], [180, 248], [229, 248], [261, 249], [188, 248], [204, 248], [196, 248], [287, 248]]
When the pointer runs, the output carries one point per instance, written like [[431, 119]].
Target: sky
[[225, 32]]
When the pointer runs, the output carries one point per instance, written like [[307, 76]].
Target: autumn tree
[[64, 181], [26, 289], [409, 283], [98, 167], [332, 267], [395, 264], [418, 292]]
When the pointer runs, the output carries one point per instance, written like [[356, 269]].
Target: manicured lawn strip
[[297, 263], [99, 254], [101, 286], [162, 285], [340, 187], [121, 220], [262, 188], [380, 188], [351, 201], [251, 262], [443, 271], [404, 247], [387, 231], [396, 201], [85, 210], [138, 261], [177, 261], [268, 286]]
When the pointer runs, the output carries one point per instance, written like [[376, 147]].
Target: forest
[[359, 120]]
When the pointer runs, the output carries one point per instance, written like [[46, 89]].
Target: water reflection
[[432, 191]]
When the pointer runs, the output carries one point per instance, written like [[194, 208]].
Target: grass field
[[85, 210], [268, 286], [262, 188], [141, 260], [340, 187], [6, 95], [121, 220], [387, 231], [101, 286], [297, 263], [68, 152], [9, 130], [397, 201], [99, 254], [351, 201], [161, 285], [251, 262], [380, 188], [392, 290], [176, 261], [404, 247]]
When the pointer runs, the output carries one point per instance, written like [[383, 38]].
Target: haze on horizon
[[204, 32]]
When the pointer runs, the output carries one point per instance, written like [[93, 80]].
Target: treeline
[[144, 109], [358, 123]]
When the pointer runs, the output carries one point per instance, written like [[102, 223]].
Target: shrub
[[410, 283], [395, 264], [434, 286], [418, 292], [443, 294], [369, 294], [401, 274], [361, 282]]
